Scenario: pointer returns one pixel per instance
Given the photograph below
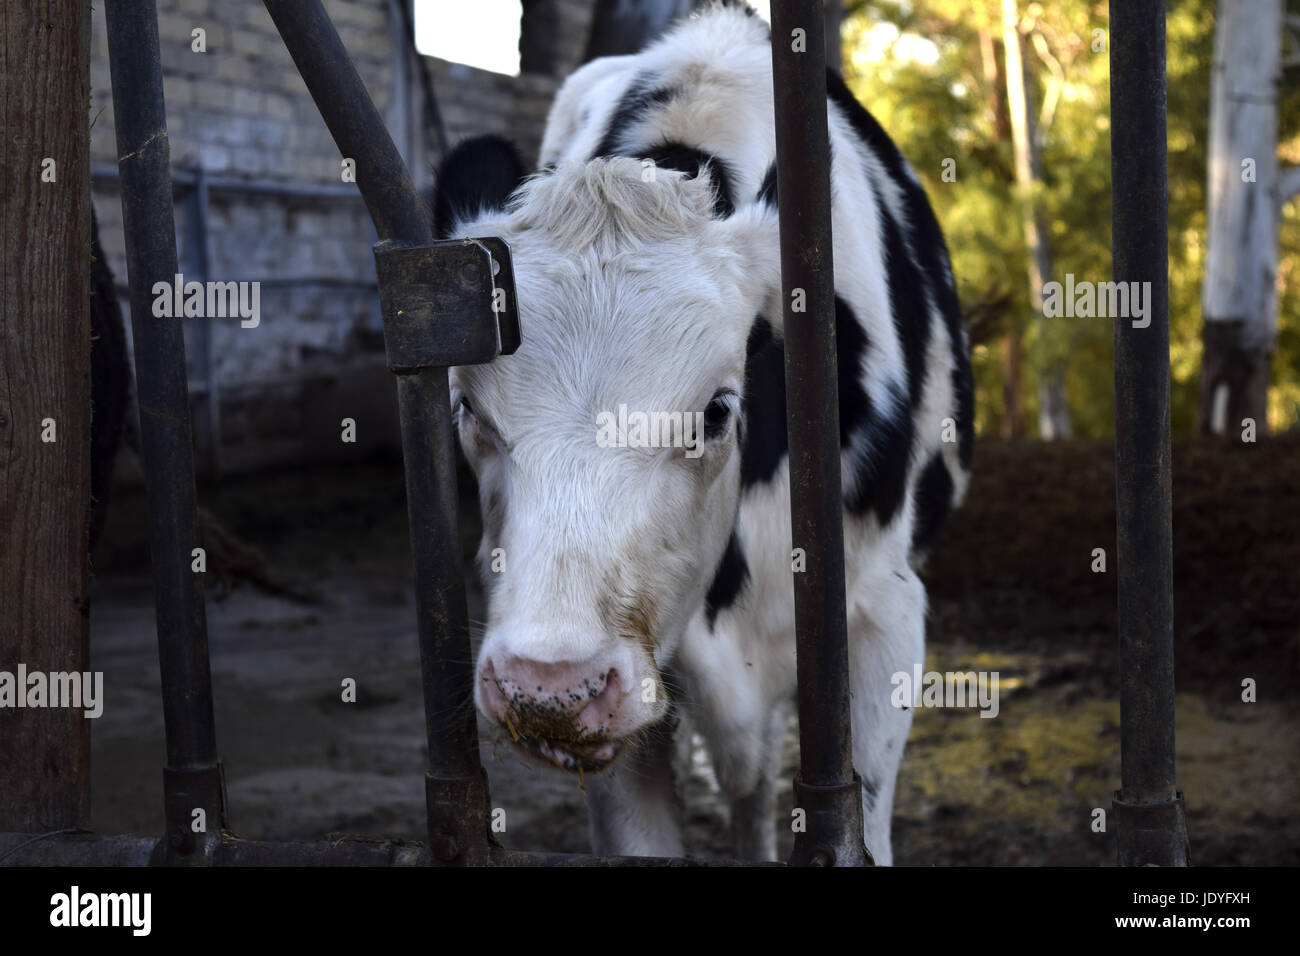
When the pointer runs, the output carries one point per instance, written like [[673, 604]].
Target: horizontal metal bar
[[185, 177], [86, 849]]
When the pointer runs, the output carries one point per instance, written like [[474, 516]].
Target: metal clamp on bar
[[446, 303], [185, 793], [1153, 834], [458, 819], [832, 834]]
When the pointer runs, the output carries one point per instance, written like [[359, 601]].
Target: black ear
[[477, 176]]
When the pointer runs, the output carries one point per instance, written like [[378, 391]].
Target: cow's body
[[700, 101]]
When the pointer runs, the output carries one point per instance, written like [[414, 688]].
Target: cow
[[632, 581]]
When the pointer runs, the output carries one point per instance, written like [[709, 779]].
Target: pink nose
[[578, 702]]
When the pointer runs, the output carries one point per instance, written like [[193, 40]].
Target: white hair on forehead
[[606, 205]]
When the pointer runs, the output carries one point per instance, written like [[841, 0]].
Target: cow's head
[[601, 536]]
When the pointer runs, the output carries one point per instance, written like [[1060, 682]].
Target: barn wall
[[240, 111]]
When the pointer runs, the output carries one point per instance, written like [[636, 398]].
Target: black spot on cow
[[478, 176], [767, 191], [865, 125], [880, 482], [850, 352], [740, 5], [765, 442], [691, 161], [933, 496], [907, 304], [728, 581], [641, 97], [764, 436], [927, 248]]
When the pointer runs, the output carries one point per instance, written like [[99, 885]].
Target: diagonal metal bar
[[456, 786]]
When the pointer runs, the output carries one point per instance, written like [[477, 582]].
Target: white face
[[598, 546]]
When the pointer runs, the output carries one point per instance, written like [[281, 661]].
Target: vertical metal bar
[[826, 787], [192, 778], [200, 261], [1148, 809], [456, 786]]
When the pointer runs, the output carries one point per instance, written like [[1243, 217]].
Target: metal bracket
[[185, 791], [458, 819], [1151, 834], [446, 303], [833, 825]]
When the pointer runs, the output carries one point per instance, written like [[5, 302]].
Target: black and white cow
[[632, 579]]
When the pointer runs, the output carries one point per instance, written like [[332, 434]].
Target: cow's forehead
[[651, 329]]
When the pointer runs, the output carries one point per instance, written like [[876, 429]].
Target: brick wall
[[240, 111]]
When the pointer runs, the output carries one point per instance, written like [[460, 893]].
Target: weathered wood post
[[44, 405]]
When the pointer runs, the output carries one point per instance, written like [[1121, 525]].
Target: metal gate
[[410, 264]]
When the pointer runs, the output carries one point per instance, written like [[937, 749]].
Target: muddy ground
[[1012, 591]]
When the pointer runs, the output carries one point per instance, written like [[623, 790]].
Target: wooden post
[[44, 405]]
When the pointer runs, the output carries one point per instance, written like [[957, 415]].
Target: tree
[[1246, 191], [1053, 409]]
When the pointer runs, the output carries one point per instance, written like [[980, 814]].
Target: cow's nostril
[[601, 706]]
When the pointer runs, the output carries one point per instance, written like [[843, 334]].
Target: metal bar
[[1148, 808], [85, 849], [456, 786], [192, 778], [184, 177], [826, 787], [199, 263]]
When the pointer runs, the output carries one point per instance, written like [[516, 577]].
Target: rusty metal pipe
[[826, 787]]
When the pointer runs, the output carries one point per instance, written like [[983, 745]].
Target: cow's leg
[[728, 708], [753, 816], [886, 637], [632, 807]]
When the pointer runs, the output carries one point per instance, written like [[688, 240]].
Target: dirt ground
[[1012, 591]]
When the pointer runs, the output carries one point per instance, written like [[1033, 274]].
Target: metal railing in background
[[193, 187]]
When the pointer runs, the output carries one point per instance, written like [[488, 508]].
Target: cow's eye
[[718, 414], [463, 408]]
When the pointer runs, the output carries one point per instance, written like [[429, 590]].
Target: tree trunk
[[1053, 410], [44, 404], [1245, 194], [994, 86]]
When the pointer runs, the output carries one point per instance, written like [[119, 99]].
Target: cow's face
[[607, 448]]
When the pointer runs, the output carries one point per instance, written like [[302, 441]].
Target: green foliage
[[918, 67]]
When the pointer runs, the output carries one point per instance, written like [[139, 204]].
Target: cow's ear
[[477, 176], [752, 238]]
